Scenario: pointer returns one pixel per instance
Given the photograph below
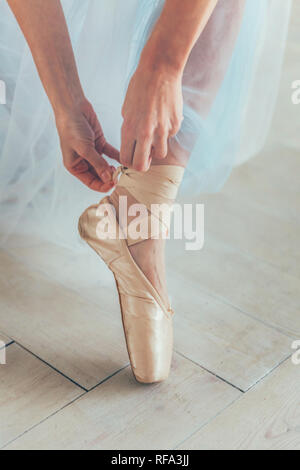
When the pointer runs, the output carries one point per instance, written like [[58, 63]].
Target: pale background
[[67, 383]]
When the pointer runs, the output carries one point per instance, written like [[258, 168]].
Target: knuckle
[[164, 153], [161, 132], [124, 159], [176, 125], [140, 166], [160, 154], [174, 130], [100, 167], [145, 130], [145, 134]]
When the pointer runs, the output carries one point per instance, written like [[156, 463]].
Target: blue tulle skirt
[[228, 102]]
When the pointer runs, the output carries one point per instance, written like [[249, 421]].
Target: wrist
[[64, 113], [67, 105], [161, 56]]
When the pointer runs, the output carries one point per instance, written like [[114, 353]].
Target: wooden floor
[[67, 383]]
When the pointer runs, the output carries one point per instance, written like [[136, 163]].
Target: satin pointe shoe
[[147, 320]]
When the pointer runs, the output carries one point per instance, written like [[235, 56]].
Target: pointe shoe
[[147, 321]]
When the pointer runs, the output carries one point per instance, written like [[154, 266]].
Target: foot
[[149, 255]]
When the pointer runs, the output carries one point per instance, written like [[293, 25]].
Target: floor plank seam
[[84, 394], [232, 403], [6, 345], [222, 299], [270, 371], [227, 302], [209, 371], [43, 420], [51, 367], [208, 421], [108, 377]]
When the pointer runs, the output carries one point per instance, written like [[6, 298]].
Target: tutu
[[228, 104]]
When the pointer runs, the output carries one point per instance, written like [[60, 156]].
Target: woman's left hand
[[83, 145], [152, 113]]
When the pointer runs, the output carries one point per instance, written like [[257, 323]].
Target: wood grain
[[82, 340], [266, 418], [251, 285], [30, 391], [271, 180], [122, 414], [222, 339], [253, 230], [4, 340]]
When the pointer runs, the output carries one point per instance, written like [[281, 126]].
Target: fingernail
[[106, 176]]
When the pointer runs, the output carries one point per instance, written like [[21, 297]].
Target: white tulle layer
[[229, 100]]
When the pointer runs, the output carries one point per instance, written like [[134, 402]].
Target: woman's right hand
[[83, 144]]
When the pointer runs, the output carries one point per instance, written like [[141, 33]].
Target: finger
[[104, 147], [87, 175], [128, 144], [82, 170], [105, 186], [175, 127], [101, 167], [141, 159], [81, 167], [160, 144], [93, 182], [111, 152]]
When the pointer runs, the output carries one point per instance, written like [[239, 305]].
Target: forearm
[[45, 29], [176, 32]]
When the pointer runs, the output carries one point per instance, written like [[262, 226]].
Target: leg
[[147, 317], [203, 76]]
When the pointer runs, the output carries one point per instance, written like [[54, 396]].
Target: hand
[[152, 113], [83, 143]]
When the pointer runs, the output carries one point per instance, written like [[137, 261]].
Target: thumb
[[111, 152]]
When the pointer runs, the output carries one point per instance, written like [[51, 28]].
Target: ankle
[[114, 199]]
